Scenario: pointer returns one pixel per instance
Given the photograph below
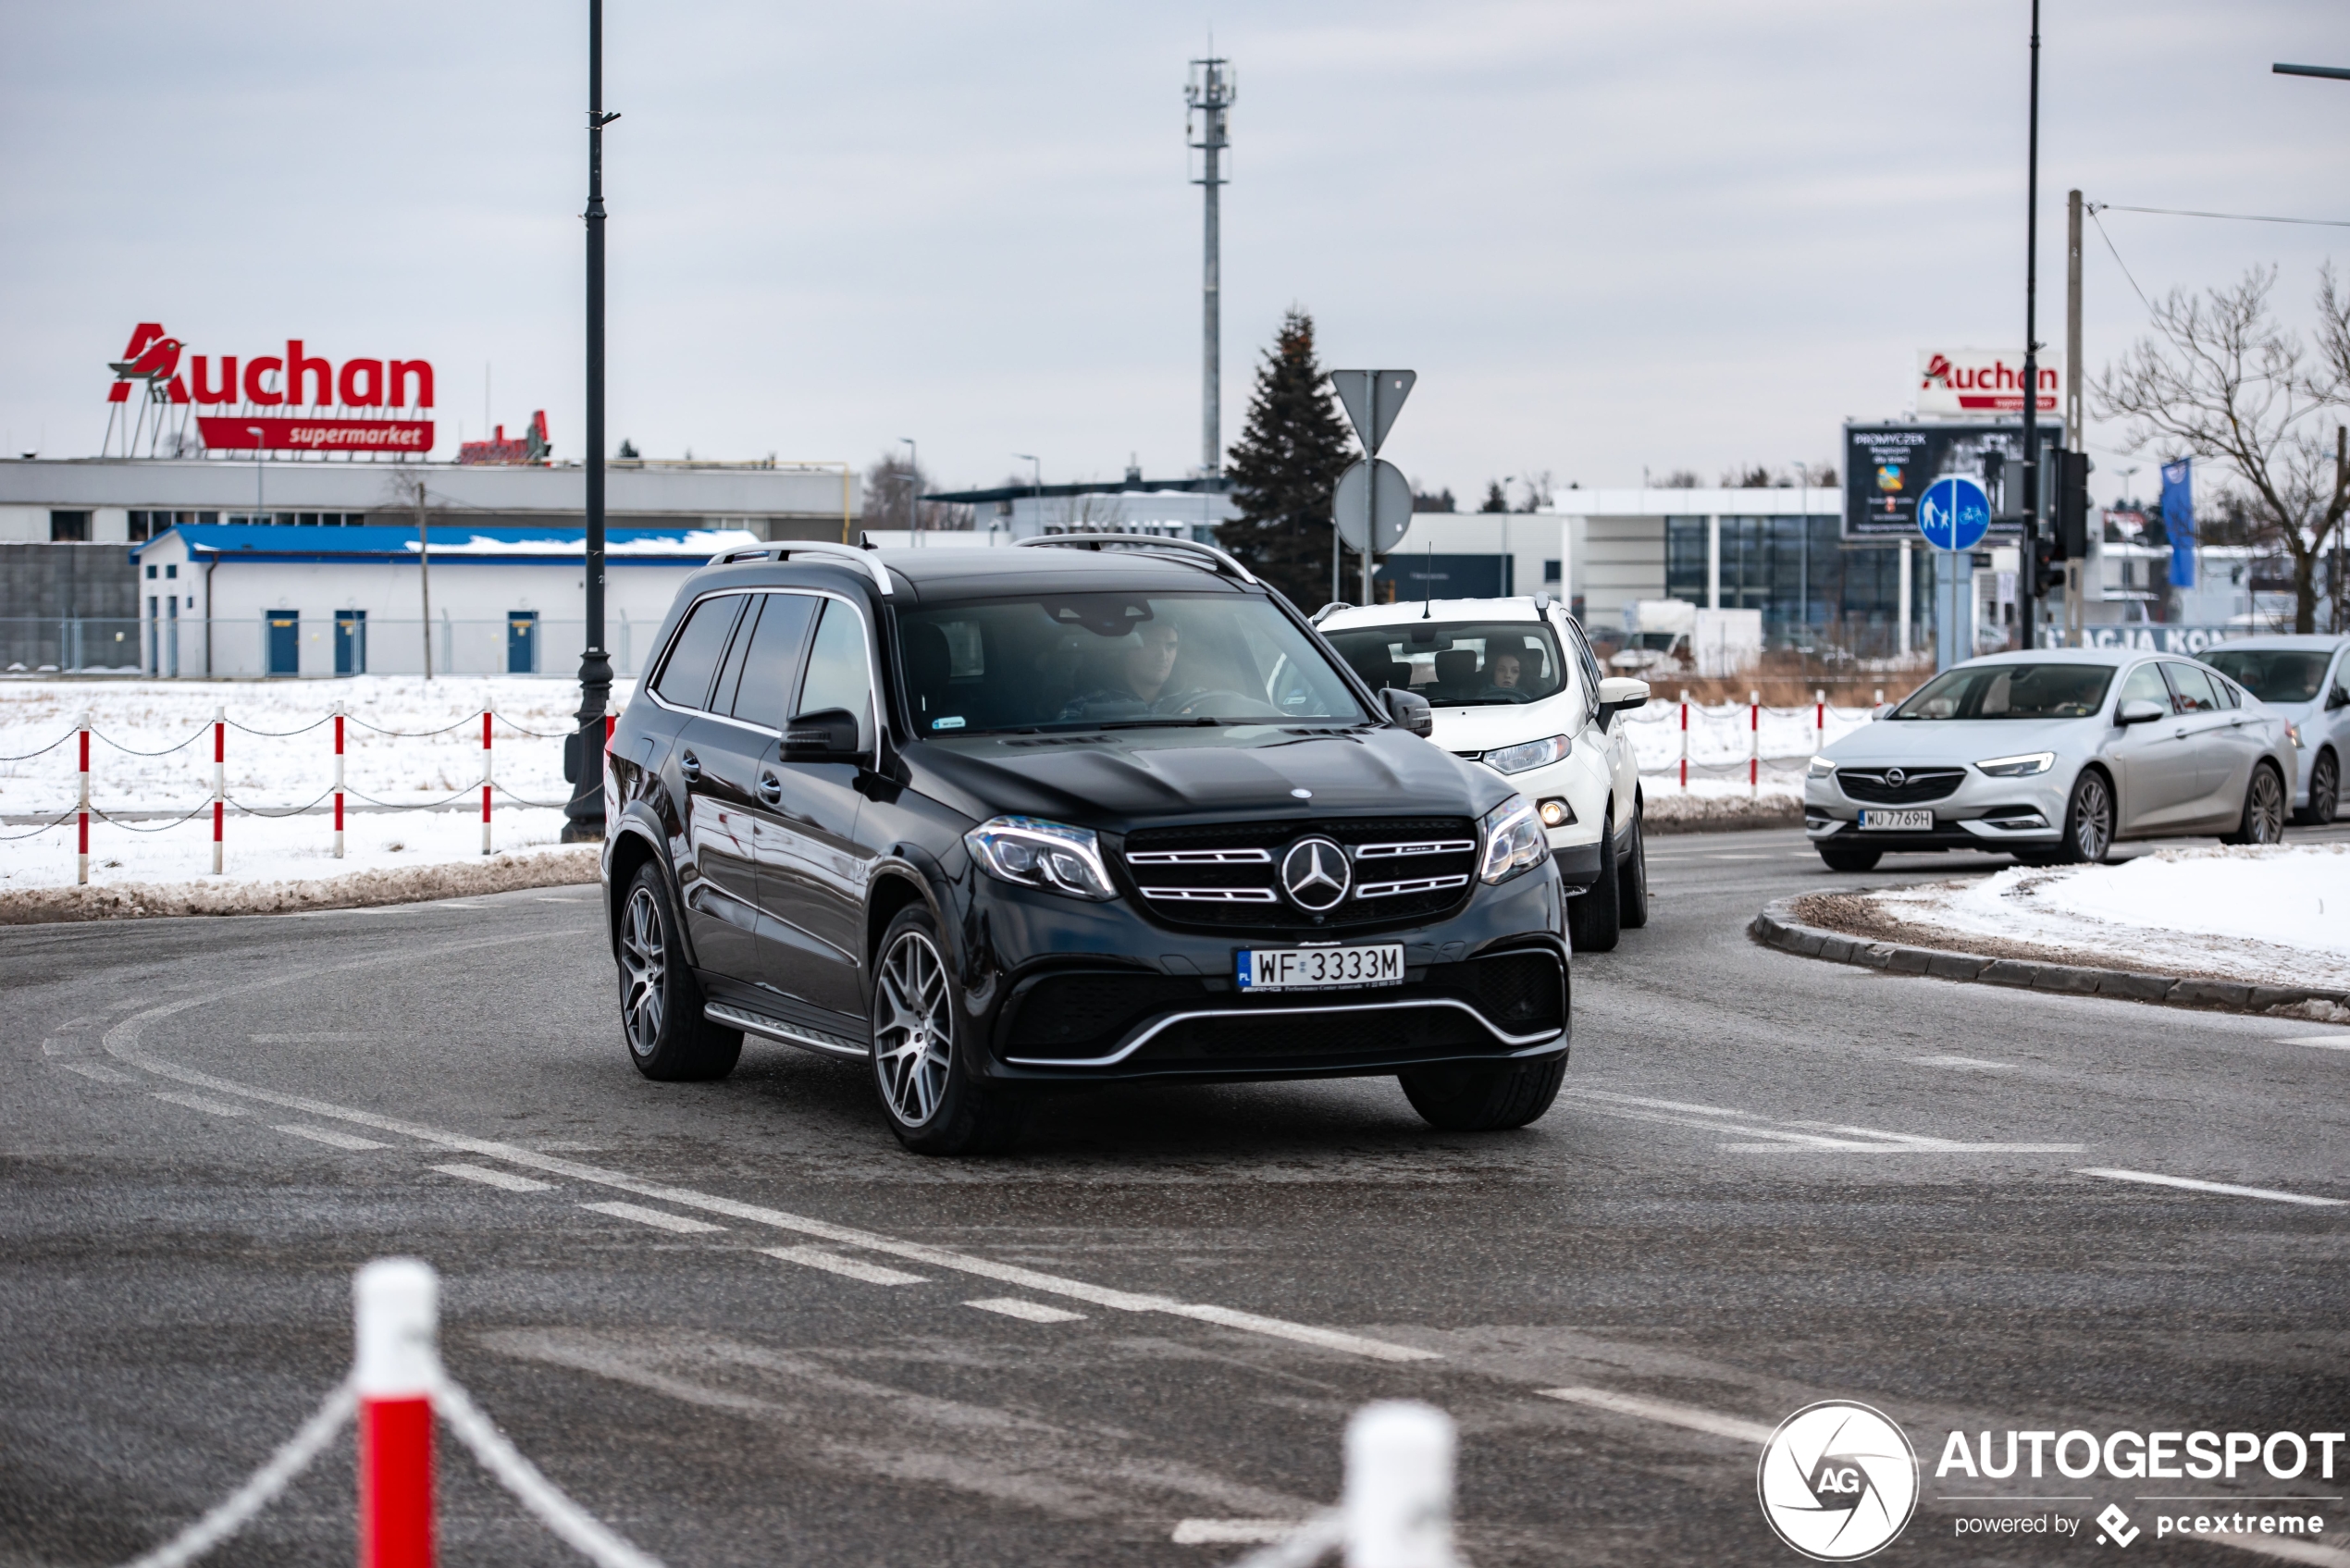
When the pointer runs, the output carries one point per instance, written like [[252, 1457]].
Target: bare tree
[[2220, 379], [893, 489]]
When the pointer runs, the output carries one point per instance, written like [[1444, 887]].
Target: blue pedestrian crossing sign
[[1954, 513]]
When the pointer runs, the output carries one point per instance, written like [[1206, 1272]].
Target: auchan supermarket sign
[[1971, 383], [293, 401]]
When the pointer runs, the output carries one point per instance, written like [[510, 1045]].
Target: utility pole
[[584, 815], [424, 570], [1209, 96], [2026, 609], [2074, 426]]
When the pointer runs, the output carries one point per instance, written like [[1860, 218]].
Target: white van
[[1514, 684]]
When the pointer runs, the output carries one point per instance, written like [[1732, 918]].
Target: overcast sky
[[1608, 237]]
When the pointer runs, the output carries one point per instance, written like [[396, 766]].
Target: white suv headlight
[[2020, 767], [1514, 839], [1819, 767], [1036, 853], [1531, 754]]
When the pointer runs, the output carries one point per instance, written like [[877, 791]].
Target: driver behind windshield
[[1502, 675], [1130, 674]]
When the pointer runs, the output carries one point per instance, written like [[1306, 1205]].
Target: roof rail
[[847, 555], [1217, 561]]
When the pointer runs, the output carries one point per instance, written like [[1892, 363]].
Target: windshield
[[1112, 661], [2274, 674], [2010, 691], [1457, 663]]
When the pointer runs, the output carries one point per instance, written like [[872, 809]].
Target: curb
[[1777, 927]]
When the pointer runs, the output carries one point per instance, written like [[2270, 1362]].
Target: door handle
[[771, 789], [2179, 734], [689, 765]]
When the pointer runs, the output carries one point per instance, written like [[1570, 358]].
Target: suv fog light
[[1514, 840], [1036, 853], [1556, 813]]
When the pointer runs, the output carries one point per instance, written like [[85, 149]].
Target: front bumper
[[1984, 814]]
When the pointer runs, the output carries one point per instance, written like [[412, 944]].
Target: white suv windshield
[[1457, 663], [1115, 661]]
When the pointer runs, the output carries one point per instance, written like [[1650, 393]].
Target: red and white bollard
[[1819, 721], [485, 780], [219, 780], [338, 780], [397, 1305], [1754, 742], [1685, 739], [82, 865]]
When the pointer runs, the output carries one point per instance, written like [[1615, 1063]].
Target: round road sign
[[1954, 513]]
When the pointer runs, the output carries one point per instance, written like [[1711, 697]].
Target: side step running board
[[807, 1039]]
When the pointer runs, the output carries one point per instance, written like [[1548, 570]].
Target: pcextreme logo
[[1837, 1481]]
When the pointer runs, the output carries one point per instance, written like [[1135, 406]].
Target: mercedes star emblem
[[1315, 874]]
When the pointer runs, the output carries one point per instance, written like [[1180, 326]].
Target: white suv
[[1514, 684]]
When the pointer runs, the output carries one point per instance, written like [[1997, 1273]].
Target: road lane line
[[98, 1070], [1930, 1148], [121, 1043], [1961, 1064], [851, 1268], [2224, 1189], [505, 1181], [1235, 1532], [1027, 1312], [1866, 1139], [2323, 1042], [198, 1103], [1688, 1415], [659, 1219], [328, 1136]]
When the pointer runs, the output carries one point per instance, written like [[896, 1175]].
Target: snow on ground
[[2278, 915], [1720, 738]]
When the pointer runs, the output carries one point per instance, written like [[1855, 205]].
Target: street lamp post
[[2027, 567], [1037, 484], [913, 491], [583, 814]]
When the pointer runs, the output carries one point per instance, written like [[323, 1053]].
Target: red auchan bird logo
[[1938, 371], [151, 357]]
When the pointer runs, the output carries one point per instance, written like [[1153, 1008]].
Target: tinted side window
[[836, 672], [2145, 684], [2193, 687], [773, 659], [693, 660], [1584, 661]]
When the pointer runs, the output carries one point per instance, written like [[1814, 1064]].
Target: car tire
[[1482, 1097], [660, 1001], [2325, 791], [1595, 916], [1633, 904], [2088, 823], [2264, 808], [922, 1042], [1848, 858]]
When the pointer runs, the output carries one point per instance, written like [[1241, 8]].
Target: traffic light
[[2048, 564], [2071, 505]]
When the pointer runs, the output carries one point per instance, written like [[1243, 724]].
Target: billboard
[[1977, 383], [1888, 468], [253, 411]]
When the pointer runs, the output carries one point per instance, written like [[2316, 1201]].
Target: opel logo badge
[[1895, 778], [1315, 874]]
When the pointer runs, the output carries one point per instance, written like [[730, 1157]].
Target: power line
[[2090, 208], [2233, 217]]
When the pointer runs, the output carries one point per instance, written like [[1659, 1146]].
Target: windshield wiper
[[1161, 723]]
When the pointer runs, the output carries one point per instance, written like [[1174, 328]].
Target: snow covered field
[[1720, 739], [2279, 915]]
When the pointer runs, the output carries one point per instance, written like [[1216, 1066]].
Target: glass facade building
[[1798, 572]]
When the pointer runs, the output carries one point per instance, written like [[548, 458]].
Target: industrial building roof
[[542, 545]]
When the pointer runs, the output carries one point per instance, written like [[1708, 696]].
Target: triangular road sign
[[1373, 399]]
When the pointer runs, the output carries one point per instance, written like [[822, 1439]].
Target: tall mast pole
[[2026, 585], [1211, 97], [583, 814]]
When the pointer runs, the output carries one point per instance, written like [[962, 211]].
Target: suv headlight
[[1514, 839], [2293, 734], [1531, 754], [2022, 766], [1819, 767], [1034, 853]]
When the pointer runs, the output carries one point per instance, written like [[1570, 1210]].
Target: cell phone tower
[[1208, 126]]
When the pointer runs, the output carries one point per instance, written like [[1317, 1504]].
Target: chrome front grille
[[1228, 875], [1914, 788]]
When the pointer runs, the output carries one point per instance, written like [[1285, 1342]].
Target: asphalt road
[[1771, 1181]]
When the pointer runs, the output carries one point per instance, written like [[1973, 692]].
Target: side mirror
[[1882, 711], [2144, 711], [1409, 710], [1619, 694], [826, 736], [2337, 697]]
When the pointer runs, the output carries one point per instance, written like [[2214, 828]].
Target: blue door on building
[[285, 642], [350, 642], [521, 642]]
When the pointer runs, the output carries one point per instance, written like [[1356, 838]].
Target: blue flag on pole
[[2177, 519]]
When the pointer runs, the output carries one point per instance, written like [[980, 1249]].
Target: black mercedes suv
[[999, 821]]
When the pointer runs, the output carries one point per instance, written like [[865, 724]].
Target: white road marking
[[505, 1181], [100, 1071], [2225, 1188], [2323, 1042], [313, 1037], [1927, 1147], [121, 1043], [1235, 1532], [198, 1103], [853, 1268], [1689, 1415], [1027, 1312], [1962, 1064], [1719, 855], [328, 1136], [659, 1219], [1863, 1139]]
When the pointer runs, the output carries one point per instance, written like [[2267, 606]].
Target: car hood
[[1140, 778], [1961, 741], [1483, 728]]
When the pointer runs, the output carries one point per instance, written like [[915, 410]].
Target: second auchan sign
[[359, 405], [1971, 383]]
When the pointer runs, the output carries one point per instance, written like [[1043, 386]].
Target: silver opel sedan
[[2052, 757]]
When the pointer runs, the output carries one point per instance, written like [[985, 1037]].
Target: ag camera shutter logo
[[1839, 1481]]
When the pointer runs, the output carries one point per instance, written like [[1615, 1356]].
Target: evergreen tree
[[1495, 500], [1284, 468]]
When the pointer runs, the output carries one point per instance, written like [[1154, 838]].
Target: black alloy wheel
[[1595, 916], [661, 1001], [2264, 813], [921, 1049], [1635, 899], [2325, 791], [1484, 1097], [1850, 857], [2088, 821]]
